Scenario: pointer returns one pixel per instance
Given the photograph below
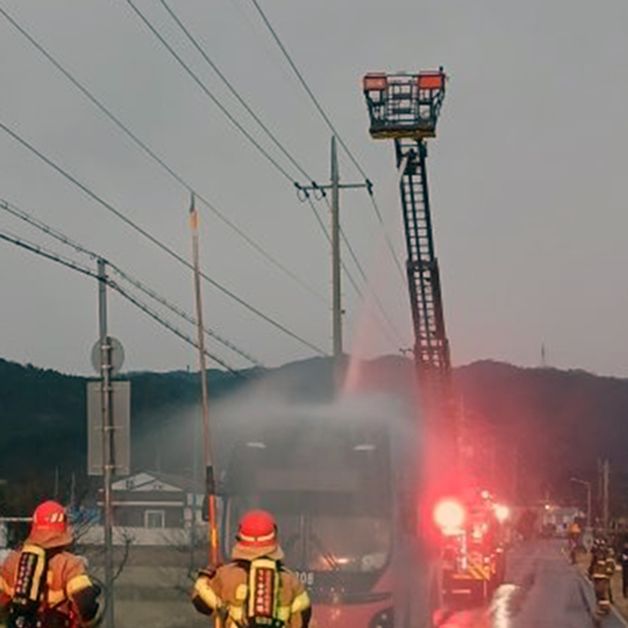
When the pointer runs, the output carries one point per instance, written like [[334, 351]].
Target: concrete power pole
[[605, 493], [336, 261], [107, 436], [335, 252]]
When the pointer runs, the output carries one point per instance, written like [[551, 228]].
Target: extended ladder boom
[[405, 108], [431, 347]]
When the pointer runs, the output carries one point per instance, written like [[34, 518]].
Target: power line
[[217, 103], [261, 124], [334, 130], [211, 96], [252, 113], [287, 154], [84, 270], [171, 252], [236, 94], [143, 146], [136, 283], [234, 91], [156, 158], [270, 134]]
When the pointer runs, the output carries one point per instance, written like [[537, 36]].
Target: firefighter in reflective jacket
[[42, 585], [254, 589], [602, 571]]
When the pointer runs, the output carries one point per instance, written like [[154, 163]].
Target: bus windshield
[[323, 532], [330, 492]]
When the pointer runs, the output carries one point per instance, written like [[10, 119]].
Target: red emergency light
[[449, 516], [431, 80], [375, 81]]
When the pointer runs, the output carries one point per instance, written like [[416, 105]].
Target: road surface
[[542, 590]]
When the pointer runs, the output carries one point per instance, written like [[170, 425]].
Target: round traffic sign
[[116, 353]]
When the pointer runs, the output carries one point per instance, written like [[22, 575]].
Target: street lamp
[[588, 486]]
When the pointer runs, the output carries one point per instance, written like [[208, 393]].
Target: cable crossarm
[[159, 160], [334, 130], [158, 243], [84, 270], [136, 283]]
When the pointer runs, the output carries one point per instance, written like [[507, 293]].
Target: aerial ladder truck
[[405, 107]]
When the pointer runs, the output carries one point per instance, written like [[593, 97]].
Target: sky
[[526, 176]]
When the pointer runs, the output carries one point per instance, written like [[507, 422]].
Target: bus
[[333, 483]]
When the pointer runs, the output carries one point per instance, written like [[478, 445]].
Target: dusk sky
[[526, 175]]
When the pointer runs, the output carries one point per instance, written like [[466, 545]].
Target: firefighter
[[602, 571], [573, 540], [42, 584], [254, 589], [624, 569]]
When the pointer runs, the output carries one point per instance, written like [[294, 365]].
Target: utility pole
[[605, 493], [210, 482], [107, 435], [335, 186], [335, 252]]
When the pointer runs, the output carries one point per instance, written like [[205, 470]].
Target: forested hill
[[553, 423]]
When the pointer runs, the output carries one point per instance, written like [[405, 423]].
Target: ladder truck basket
[[404, 105]]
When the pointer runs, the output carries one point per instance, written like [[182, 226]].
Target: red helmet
[[49, 518], [257, 528]]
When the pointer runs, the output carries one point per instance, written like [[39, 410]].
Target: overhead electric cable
[[159, 160], [215, 100], [287, 154], [171, 252], [211, 96], [80, 268], [28, 218], [234, 92], [334, 130], [143, 146], [251, 112]]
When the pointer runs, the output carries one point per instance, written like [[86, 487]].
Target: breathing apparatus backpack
[[30, 582], [262, 609]]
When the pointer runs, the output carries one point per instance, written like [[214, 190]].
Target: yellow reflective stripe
[[241, 592], [5, 588], [56, 596], [207, 594], [283, 613], [78, 583], [39, 567], [236, 613], [300, 603]]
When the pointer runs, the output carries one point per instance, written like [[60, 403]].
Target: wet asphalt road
[[542, 590]]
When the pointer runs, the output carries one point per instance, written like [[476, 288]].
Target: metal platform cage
[[404, 105]]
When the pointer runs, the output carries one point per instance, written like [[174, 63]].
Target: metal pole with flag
[[210, 483]]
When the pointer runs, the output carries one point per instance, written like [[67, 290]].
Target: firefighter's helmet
[[257, 536], [50, 526]]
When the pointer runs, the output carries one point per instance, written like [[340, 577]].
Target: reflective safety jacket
[[254, 593], [50, 585], [603, 567]]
